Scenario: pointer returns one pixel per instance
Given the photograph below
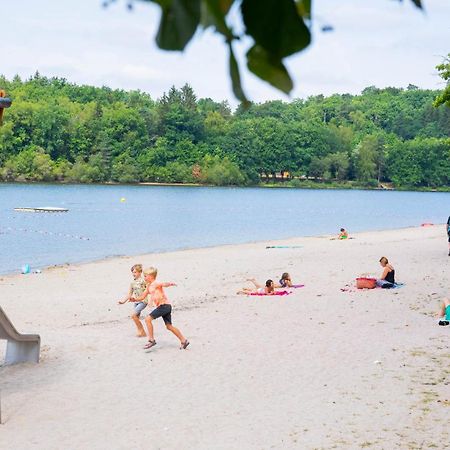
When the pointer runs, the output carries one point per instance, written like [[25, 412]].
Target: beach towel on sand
[[275, 293]]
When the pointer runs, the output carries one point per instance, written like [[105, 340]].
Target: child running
[[137, 287], [163, 308]]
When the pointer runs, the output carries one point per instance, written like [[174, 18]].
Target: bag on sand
[[366, 283]]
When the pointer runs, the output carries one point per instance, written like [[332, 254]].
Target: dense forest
[[59, 131]]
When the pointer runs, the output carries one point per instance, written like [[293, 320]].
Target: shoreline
[[279, 185], [261, 372], [147, 254]]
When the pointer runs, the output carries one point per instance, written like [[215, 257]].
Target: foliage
[[58, 131], [444, 72], [277, 29]]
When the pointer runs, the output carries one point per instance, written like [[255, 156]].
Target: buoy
[[426, 225], [26, 269], [123, 199]]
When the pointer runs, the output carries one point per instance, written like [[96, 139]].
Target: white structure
[[20, 347]]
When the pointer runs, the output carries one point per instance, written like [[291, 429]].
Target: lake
[[106, 221]]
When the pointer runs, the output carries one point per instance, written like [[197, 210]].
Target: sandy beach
[[327, 366]]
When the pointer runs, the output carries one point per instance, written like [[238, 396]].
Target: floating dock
[[41, 209]]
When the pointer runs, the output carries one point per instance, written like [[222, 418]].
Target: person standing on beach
[[137, 287], [444, 312], [163, 308], [448, 234]]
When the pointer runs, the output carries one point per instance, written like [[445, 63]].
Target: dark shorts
[[164, 311]]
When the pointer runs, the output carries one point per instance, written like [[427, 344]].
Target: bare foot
[[141, 334]]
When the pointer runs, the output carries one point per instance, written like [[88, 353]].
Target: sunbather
[[268, 289]]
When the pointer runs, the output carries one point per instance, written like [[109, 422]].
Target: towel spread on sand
[[274, 293], [351, 288], [284, 246]]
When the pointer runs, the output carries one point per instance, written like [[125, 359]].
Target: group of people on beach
[[269, 286], [144, 289]]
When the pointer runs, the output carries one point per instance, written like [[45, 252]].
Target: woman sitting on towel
[[268, 289], [387, 279]]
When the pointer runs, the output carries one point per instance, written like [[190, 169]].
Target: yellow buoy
[[123, 199]]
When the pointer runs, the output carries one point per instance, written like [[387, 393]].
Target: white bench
[[20, 347]]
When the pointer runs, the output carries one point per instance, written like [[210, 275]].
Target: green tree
[[444, 72]]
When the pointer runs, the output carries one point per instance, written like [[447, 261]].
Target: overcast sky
[[374, 42]]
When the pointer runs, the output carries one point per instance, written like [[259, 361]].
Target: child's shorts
[[139, 307], [164, 311]]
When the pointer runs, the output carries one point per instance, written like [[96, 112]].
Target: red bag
[[366, 283]]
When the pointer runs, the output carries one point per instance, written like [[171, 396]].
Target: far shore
[[287, 184], [326, 366]]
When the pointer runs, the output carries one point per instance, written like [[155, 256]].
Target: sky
[[374, 42]]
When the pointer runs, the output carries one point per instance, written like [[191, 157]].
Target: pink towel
[[275, 293]]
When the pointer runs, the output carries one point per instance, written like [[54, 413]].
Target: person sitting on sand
[[285, 281], [137, 287], [444, 313], [342, 235], [163, 308], [387, 279], [268, 289]]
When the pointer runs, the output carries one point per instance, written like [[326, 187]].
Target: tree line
[[59, 131]]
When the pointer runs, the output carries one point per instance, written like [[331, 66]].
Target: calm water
[[162, 218]]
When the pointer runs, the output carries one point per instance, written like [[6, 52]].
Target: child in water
[[137, 287], [268, 289]]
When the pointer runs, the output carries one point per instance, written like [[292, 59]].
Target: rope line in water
[[50, 233]]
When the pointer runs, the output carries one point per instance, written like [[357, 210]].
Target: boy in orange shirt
[[163, 308]]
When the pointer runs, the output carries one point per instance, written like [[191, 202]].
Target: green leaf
[[213, 14], [276, 26], [179, 22], [269, 69], [304, 8], [236, 78]]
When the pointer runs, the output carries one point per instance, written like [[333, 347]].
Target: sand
[[320, 368]]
